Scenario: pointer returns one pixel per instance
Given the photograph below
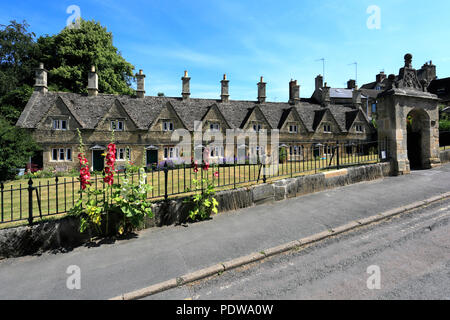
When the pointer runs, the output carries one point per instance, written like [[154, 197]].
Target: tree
[[70, 54], [18, 56], [17, 147]]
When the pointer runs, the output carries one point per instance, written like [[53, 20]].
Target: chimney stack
[[319, 82], [224, 91], [261, 90], [326, 100], [356, 97], [92, 82], [294, 92], [351, 84], [41, 79], [186, 89], [140, 92]]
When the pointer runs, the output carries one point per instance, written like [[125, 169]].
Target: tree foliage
[[17, 147], [70, 54]]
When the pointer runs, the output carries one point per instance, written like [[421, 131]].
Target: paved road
[[412, 252], [160, 254]]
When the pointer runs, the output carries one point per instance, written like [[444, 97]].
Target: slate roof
[[89, 110]]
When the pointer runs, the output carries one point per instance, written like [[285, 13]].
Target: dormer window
[[257, 127], [59, 124], [327, 128], [167, 126], [117, 125], [214, 127], [293, 128], [359, 128]]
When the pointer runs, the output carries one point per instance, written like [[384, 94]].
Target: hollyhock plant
[[110, 161], [85, 174]]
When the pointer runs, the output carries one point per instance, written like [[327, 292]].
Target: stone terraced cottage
[[143, 125]]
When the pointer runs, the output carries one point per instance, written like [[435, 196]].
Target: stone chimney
[[140, 91], [41, 79], [319, 82], [294, 92], [326, 100], [356, 97], [380, 77], [351, 84], [92, 82], [186, 89], [224, 95], [261, 90]]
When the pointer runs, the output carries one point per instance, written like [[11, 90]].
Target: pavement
[[410, 253], [160, 254]]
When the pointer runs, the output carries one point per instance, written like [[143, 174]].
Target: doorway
[[98, 160], [152, 157], [418, 135]]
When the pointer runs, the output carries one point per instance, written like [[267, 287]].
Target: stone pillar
[[224, 95], [186, 91], [261, 91], [140, 91], [403, 99], [41, 79], [92, 82]]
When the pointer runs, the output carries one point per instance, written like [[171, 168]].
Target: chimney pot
[[140, 90], [294, 92], [261, 90], [92, 82], [224, 93], [186, 91], [41, 79]]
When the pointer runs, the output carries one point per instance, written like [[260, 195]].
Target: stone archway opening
[[418, 139]]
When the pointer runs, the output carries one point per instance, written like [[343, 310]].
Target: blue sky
[[279, 40]]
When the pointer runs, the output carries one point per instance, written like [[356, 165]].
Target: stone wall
[[445, 156], [63, 233]]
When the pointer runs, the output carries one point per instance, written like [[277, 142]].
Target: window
[[55, 154], [167, 126], [61, 154], [326, 128], [171, 152], [374, 107], [123, 153], [293, 128], [59, 124], [117, 125], [214, 127], [257, 127], [359, 128], [69, 154]]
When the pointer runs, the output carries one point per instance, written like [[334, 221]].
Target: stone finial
[[261, 90], [140, 90], [408, 60], [186, 91], [224, 94], [41, 79], [92, 82]]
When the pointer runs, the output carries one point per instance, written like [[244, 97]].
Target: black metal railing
[[39, 198]]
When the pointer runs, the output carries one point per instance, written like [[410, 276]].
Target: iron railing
[[39, 198]]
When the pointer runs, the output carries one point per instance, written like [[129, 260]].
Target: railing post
[[337, 154], [2, 187], [166, 178], [30, 201]]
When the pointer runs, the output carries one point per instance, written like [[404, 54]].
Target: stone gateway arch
[[408, 119]]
